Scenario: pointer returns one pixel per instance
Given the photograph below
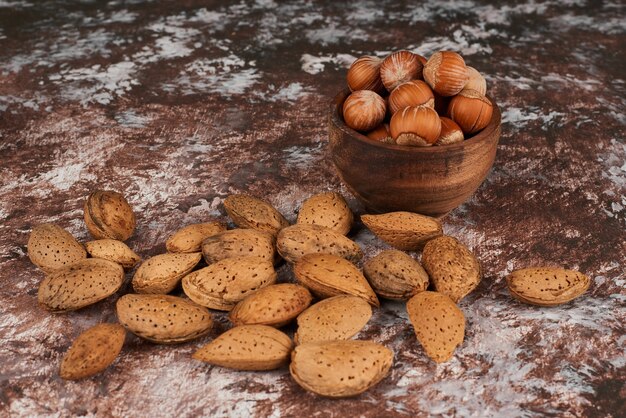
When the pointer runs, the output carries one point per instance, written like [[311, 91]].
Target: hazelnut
[[400, 67], [364, 110], [411, 93], [450, 132], [364, 74], [476, 81], [470, 110], [417, 126], [446, 73], [108, 215], [381, 133]]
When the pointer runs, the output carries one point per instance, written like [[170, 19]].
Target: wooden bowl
[[428, 180]]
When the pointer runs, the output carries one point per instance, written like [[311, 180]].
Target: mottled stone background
[[179, 103]]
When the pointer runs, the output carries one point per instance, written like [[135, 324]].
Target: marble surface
[[178, 104]]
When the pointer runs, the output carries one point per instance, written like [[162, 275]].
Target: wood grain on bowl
[[428, 180]]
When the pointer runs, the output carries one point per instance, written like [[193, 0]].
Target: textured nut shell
[[438, 323], [452, 267], [80, 284], [189, 239], [547, 286], [400, 67], [381, 133], [446, 73], [410, 94], [161, 273], [340, 369], [299, 240], [248, 347], [470, 110], [113, 250], [395, 275], [328, 275], [403, 230], [225, 283], [93, 351], [163, 318], [274, 305], [476, 81], [337, 318], [250, 212], [108, 215], [417, 126], [51, 247], [364, 74], [450, 132], [363, 110], [240, 242], [328, 209]]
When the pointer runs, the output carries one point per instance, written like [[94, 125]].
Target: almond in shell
[[248, 347], [108, 215], [339, 369], [394, 274], [225, 283], [328, 275], [239, 243], [163, 319], [250, 212], [51, 247], [93, 351], [161, 273], [189, 239], [113, 250], [403, 230], [80, 284], [274, 305], [337, 318], [452, 267], [438, 323], [329, 210], [547, 286], [298, 240]]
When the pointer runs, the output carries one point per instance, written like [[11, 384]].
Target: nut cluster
[[406, 99]]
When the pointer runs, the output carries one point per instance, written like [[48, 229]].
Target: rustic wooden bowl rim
[[481, 136]]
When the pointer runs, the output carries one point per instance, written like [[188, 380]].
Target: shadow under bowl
[[427, 180]]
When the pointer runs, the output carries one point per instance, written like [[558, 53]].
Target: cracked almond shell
[[406, 231], [163, 319], [250, 212], [299, 240], [51, 247], [108, 215], [394, 274], [93, 351], [248, 347]]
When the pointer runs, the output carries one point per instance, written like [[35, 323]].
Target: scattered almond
[[340, 369], [395, 275], [547, 286], [163, 318], [161, 273], [250, 212], [403, 230], [329, 210], [189, 239], [452, 267], [51, 247], [248, 347], [80, 284], [113, 250], [108, 215], [225, 283], [274, 305], [93, 351], [238, 243], [328, 275], [337, 318], [298, 240], [439, 324]]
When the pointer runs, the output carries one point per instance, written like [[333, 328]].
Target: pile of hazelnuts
[[405, 99]]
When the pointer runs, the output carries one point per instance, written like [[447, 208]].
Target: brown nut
[[409, 94], [416, 126], [108, 215], [446, 73], [363, 110], [400, 67], [470, 110], [476, 81], [450, 132], [381, 133], [364, 74]]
